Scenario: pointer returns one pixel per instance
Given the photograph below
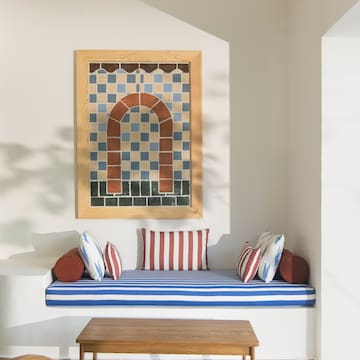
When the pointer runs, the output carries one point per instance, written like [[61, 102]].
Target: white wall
[[37, 180], [257, 32], [340, 196], [340, 186], [37, 162], [275, 137], [310, 20]]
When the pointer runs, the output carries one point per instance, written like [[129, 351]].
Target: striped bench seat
[[178, 288]]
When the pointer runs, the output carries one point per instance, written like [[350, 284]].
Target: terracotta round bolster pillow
[[69, 267], [293, 268]]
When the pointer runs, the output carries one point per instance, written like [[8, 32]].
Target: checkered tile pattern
[[140, 126]]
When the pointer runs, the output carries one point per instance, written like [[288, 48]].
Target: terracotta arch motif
[[114, 158]]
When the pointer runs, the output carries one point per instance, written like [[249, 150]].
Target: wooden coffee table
[[168, 336]]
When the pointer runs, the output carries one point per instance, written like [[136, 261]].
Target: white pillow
[[91, 254], [271, 246]]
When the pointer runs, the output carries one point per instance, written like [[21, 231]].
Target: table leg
[[252, 353], [81, 352], [94, 355]]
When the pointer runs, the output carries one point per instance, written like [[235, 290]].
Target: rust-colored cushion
[[293, 268], [69, 267]]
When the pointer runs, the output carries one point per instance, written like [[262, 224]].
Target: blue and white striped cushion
[[91, 254], [178, 288]]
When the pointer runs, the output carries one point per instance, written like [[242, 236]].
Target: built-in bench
[[285, 331]]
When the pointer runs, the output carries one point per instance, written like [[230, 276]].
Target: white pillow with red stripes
[[175, 250], [249, 261], [112, 260]]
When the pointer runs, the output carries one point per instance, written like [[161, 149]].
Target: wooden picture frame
[[138, 134]]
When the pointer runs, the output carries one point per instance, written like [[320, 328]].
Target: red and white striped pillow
[[249, 261], [112, 260], [175, 250]]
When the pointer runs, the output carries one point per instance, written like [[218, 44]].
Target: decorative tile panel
[[125, 147], [140, 134]]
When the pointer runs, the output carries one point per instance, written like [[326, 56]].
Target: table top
[[175, 333]]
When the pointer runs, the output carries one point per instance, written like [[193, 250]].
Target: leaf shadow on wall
[[47, 247], [45, 172]]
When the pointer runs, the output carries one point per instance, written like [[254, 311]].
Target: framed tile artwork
[[138, 134]]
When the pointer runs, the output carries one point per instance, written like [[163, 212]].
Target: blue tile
[[186, 164], [145, 117], [186, 145], [135, 165], [102, 165], [93, 136], [135, 146], [125, 136], [111, 78], [148, 88], [121, 88], [185, 107], [101, 88], [92, 98], [126, 118], [186, 126], [93, 175], [135, 109], [102, 108], [158, 78], [111, 98], [125, 155], [145, 175], [160, 96], [154, 127], [102, 146], [176, 77], [137, 88], [92, 117], [185, 87], [177, 135], [121, 71], [92, 79], [142, 78], [167, 87], [101, 127], [169, 106], [131, 78], [135, 126], [177, 116], [177, 97], [125, 175], [144, 136], [93, 155], [102, 71], [177, 175], [177, 155], [154, 165], [144, 155], [154, 146]]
